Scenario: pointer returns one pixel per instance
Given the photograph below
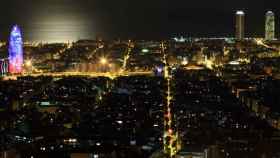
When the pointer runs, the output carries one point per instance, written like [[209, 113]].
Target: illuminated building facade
[[240, 25], [15, 51], [4, 66], [269, 26]]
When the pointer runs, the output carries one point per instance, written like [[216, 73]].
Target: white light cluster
[[240, 12]]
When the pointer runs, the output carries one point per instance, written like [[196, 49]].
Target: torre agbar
[[15, 51]]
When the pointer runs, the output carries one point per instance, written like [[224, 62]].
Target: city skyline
[[209, 98], [240, 29], [139, 79]]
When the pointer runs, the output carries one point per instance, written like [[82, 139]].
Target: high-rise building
[[15, 51], [269, 26], [213, 152], [4, 63], [240, 25]]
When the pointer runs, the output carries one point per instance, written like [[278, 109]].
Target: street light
[[103, 61], [103, 64], [28, 63]]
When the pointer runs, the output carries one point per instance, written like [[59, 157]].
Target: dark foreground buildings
[[223, 98]]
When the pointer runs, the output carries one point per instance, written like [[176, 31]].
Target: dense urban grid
[[175, 98]]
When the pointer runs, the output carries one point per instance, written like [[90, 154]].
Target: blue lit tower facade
[[15, 51]]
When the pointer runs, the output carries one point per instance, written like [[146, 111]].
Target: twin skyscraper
[[269, 25]]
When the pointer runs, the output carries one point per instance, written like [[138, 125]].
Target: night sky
[[60, 20]]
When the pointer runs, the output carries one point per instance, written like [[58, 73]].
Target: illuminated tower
[[240, 25], [269, 26], [15, 51]]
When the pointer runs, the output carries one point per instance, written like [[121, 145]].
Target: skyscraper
[[240, 25], [269, 26], [4, 66], [15, 51]]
